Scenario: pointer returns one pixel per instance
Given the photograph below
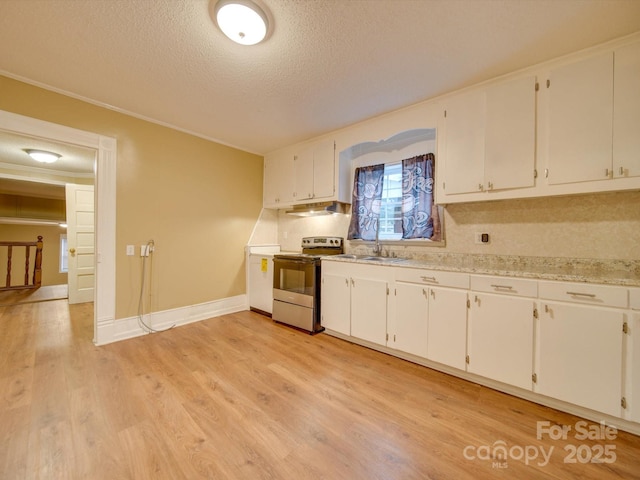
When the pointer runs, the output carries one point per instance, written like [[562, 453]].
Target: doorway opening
[[103, 260]]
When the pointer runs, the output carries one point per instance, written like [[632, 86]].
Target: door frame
[[104, 306]]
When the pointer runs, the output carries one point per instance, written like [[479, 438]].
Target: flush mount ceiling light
[[42, 156], [242, 21]]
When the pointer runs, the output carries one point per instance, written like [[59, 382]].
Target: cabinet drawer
[[432, 277], [584, 293], [634, 298], [505, 285]]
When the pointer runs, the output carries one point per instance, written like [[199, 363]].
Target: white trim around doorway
[[105, 187]]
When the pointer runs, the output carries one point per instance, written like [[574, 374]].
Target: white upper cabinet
[[314, 172], [510, 135], [489, 140], [299, 175], [464, 143], [581, 120], [594, 120], [626, 112], [278, 180], [577, 132]]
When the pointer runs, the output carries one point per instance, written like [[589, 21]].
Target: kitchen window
[[390, 176], [390, 223], [394, 201]]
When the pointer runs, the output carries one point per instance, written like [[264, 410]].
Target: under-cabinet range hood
[[315, 209]]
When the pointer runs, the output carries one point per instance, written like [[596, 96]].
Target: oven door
[[294, 280]]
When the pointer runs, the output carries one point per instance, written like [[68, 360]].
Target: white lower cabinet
[[574, 342], [580, 355], [369, 308], [354, 300], [430, 319], [447, 331], [335, 301], [500, 341], [579, 345], [411, 319]]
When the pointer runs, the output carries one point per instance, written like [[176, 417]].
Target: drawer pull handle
[[428, 279], [505, 287], [579, 294]]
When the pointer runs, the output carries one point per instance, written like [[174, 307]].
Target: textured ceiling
[[326, 64], [75, 161]]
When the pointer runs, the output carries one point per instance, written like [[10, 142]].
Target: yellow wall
[[50, 253], [198, 200]]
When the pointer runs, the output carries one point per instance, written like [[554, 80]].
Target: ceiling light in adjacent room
[[42, 156], [242, 21]]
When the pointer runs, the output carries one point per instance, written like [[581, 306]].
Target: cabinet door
[[369, 309], [464, 143], [324, 169], [303, 163], [581, 120], [626, 112], [580, 356], [278, 180], [314, 172], [447, 330], [335, 303], [510, 134], [501, 339], [411, 319]]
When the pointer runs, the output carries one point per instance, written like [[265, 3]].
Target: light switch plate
[[131, 250]]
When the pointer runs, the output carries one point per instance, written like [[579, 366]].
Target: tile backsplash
[[600, 226]]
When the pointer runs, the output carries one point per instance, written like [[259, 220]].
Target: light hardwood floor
[[239, 397]]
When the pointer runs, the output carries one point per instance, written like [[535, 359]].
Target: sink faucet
[[377, 248]]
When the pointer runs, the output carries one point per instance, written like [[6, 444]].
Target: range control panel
[[311, 242]]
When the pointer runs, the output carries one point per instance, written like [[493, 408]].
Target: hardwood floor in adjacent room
[[239, 397]]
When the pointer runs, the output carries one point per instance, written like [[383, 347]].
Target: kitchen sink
[[384, 259], [370, 258]]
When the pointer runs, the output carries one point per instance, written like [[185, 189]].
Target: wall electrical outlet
[[144, 250], [481, 238], [131, 250]]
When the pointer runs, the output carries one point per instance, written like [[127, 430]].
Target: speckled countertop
[[611, 272]]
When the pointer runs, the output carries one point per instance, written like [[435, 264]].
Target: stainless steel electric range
[[296, 283]]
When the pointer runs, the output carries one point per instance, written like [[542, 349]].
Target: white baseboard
[[125, 328]]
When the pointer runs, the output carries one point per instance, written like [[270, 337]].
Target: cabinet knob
[[490, 185], [480, 186]]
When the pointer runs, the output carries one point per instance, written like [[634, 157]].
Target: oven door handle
[[291, 260]]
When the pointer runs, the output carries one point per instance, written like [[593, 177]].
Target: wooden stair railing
[[37, 269]]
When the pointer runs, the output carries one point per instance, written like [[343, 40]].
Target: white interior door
[[81, 242]]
